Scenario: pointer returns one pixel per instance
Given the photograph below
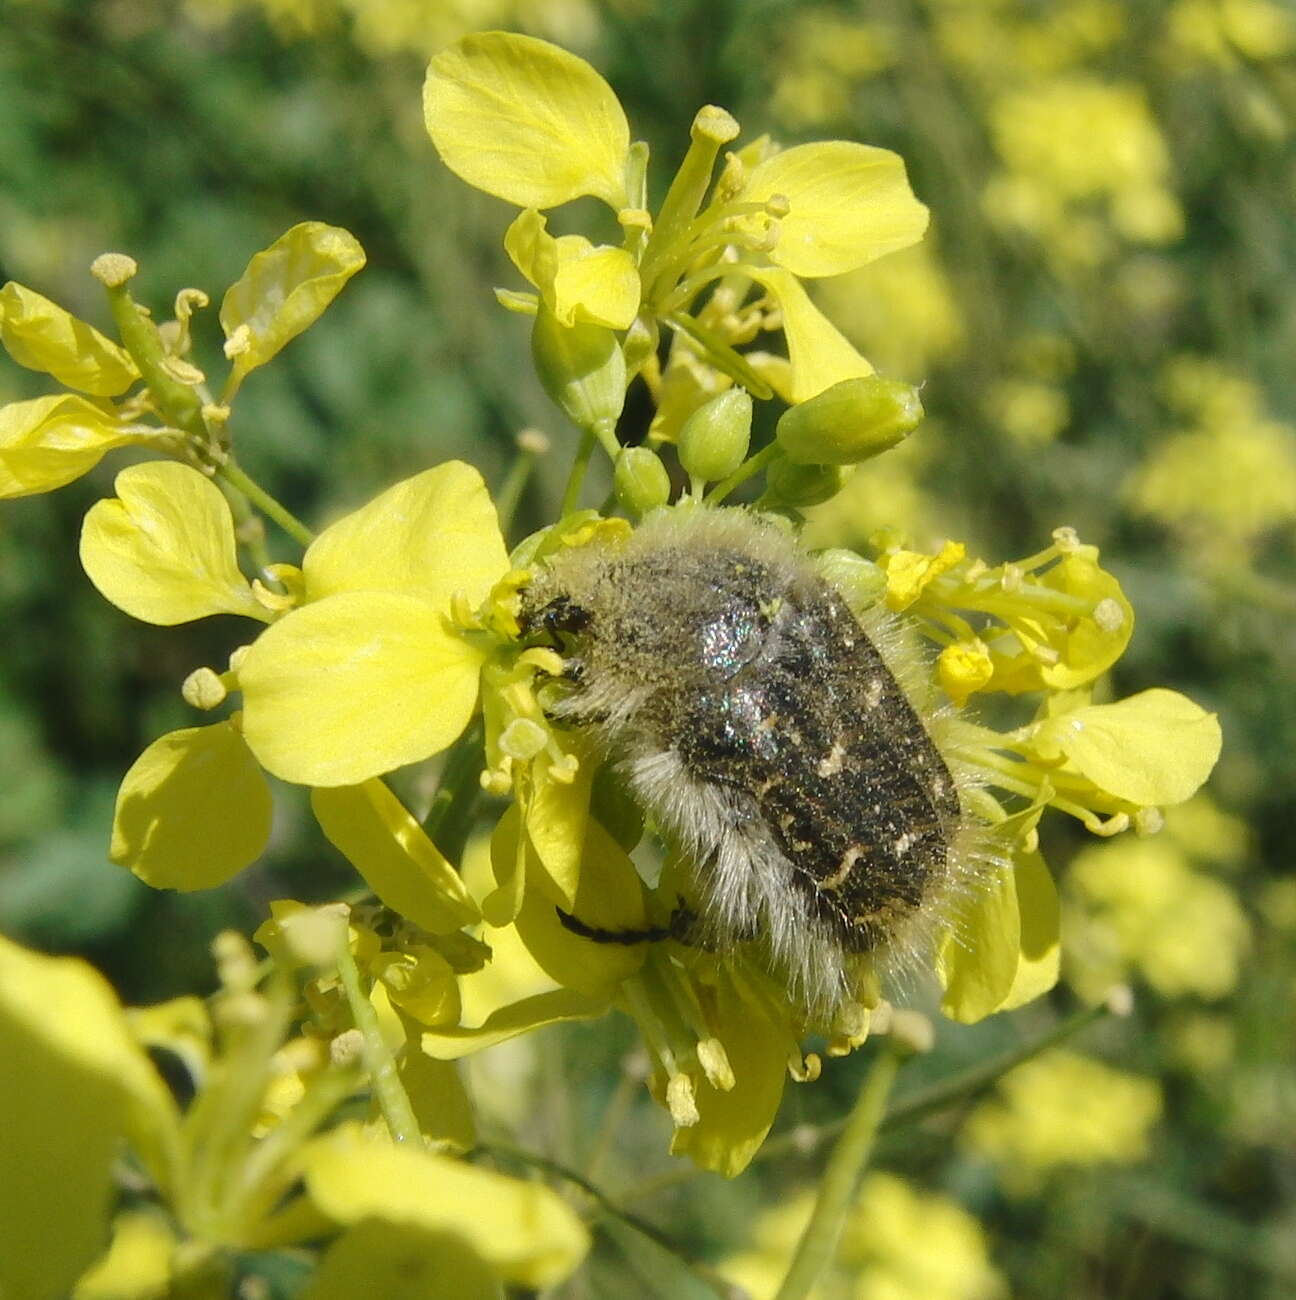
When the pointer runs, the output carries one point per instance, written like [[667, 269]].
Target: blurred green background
[[1104, 317]]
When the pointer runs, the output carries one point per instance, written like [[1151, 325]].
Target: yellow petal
[[50, 441], [524, 1231], [430, 536], [599, 286], [355, 685], [138, 1263], [526, 121], [377, 835], [732, 1124], [978, 958], [609, 897], [285, 288], [400, 1261], [193, 810], [909, 573], [820, 355], [40, 335], [532, 249], [557, 814], [1154, 748], [849, 205], [521, 1017], [74, 1084], [439, 1100], [163, 549], [1040, 943], [1087, 646]]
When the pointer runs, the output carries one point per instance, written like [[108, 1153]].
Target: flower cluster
[[401, 623]]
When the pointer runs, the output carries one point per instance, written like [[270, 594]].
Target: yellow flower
[[1227, 479], [1063, 1110], [1075, 139], [1055, 620], [877, 1258], [1142, 905], [195, 808], [233, 1173], [538, 127], [368, 674]]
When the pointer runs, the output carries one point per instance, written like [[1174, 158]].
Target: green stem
[[628, 1084], [450, 818], [837, 1191], [720, 354], [266, 1174], [752, 465], [233, 474], [383, 1077], [968, 1083], [249, 530], [177, 401], [530, 444], [576, 478]]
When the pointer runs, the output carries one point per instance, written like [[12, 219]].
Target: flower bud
[[714, 439], [640, 480], [850, 421], [789, 484], [582, 369]]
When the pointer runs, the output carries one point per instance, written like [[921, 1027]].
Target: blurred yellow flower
[[1230, 33], [1139, 905], [1230, 477], [1063, 1110], [1074, 141], [899, 1243], [825, 53]]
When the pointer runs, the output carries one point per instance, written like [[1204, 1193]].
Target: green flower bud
[[789, 484], [850, 421], [714, 439], [640, 480], [581, 368]]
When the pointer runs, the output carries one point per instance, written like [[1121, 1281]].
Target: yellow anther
[[112, 270], [238, 342], [715, 1063], [681, 1101]]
